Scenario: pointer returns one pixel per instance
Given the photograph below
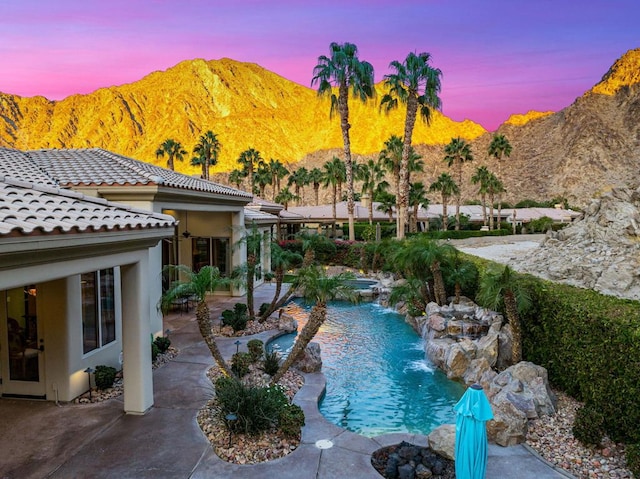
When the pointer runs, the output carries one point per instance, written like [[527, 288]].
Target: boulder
[[509, 424], [443, 440], [488, 347], [310, 361], [457, 361], [287, 323], [479, 372], [505, 340]]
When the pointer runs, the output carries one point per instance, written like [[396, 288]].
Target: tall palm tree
[[458, 152], [417, 197], [315, 286], [371, 174], [262, 178], [278, 172], [333, 176], [198, 284], [252, 240], [281, 260], [387, 203], [299, 179], [415, 84], [500, 289], [236, 177], [249, 160], [447, 188], [481, 177], [285, 197], [174, 151], [207, 150], [315, 178], [494, 187], [498, 148], [343, 69]]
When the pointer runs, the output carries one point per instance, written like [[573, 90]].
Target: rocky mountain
[[580, 152], [244, 104]]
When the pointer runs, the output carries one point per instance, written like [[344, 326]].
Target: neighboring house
[[202, 222], [74, 287]]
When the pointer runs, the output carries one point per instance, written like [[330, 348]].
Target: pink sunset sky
[[498, 57]]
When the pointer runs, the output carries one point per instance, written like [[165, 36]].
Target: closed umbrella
[[473, 410]]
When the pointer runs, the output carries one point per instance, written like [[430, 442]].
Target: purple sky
[[498, 57]]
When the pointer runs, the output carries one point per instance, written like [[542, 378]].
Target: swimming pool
[[378, 380]]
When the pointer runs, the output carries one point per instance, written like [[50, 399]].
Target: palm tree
[[262, 178], [459, 273], [251, 240], [299, 178], [278, 172], [498, 148], [315, 286], [198, 284], [458, 152], [500, 289], [415, 84], [387, 203], [236, 177], [371, 174], [281, 260], [447, 187], [315, 178], [207, 150], [344, 70], [249, 160], [285, 197], [494, 187], [174, 151], [333, 176], [417, 197], [481, 177]]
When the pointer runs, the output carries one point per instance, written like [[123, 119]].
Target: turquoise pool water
[[378, 380]]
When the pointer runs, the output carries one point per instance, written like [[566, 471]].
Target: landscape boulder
[[310, 361], [442, 440]]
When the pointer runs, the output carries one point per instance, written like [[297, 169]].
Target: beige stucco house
[[84, 290]]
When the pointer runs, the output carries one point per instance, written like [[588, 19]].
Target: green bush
[[240, 363], [633, 459], [256, 349], [588, 427], [271, 362], [291, 420], [263, 309], [163, 343], [257, 408], [104, 376], [155, 351], [237, 317]]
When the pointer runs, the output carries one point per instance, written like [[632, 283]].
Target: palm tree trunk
[[457, 212], [316, 319], [499, 225], [484, 209], [438, 283], [511, 310], [343, 109], [458, 290], [274, 301], [204, 324], [491, 211], [445, 216], [317, 191], [403, 201], [251, 271]]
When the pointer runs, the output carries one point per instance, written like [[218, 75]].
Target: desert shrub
[[256, 349], [257, 408], [271, 362], [240, 363], [291, 420], [163, 343], [237, 317], [588, 427], [155, 351], [263, 309], [540, 225], [104, 376], [633, 459]]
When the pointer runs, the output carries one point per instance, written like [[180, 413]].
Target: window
[[210, 251], [98, 309]]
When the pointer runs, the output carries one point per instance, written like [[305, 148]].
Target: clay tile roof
[[16, 164], [95, 166], [26, 208]]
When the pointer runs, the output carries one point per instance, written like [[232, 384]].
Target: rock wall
[[601, 251]]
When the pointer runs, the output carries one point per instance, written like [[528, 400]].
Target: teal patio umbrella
[[472, 412]]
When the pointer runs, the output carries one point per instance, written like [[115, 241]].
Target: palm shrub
[[271, 362], [257, 408], [237, 317], [256, 349]]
